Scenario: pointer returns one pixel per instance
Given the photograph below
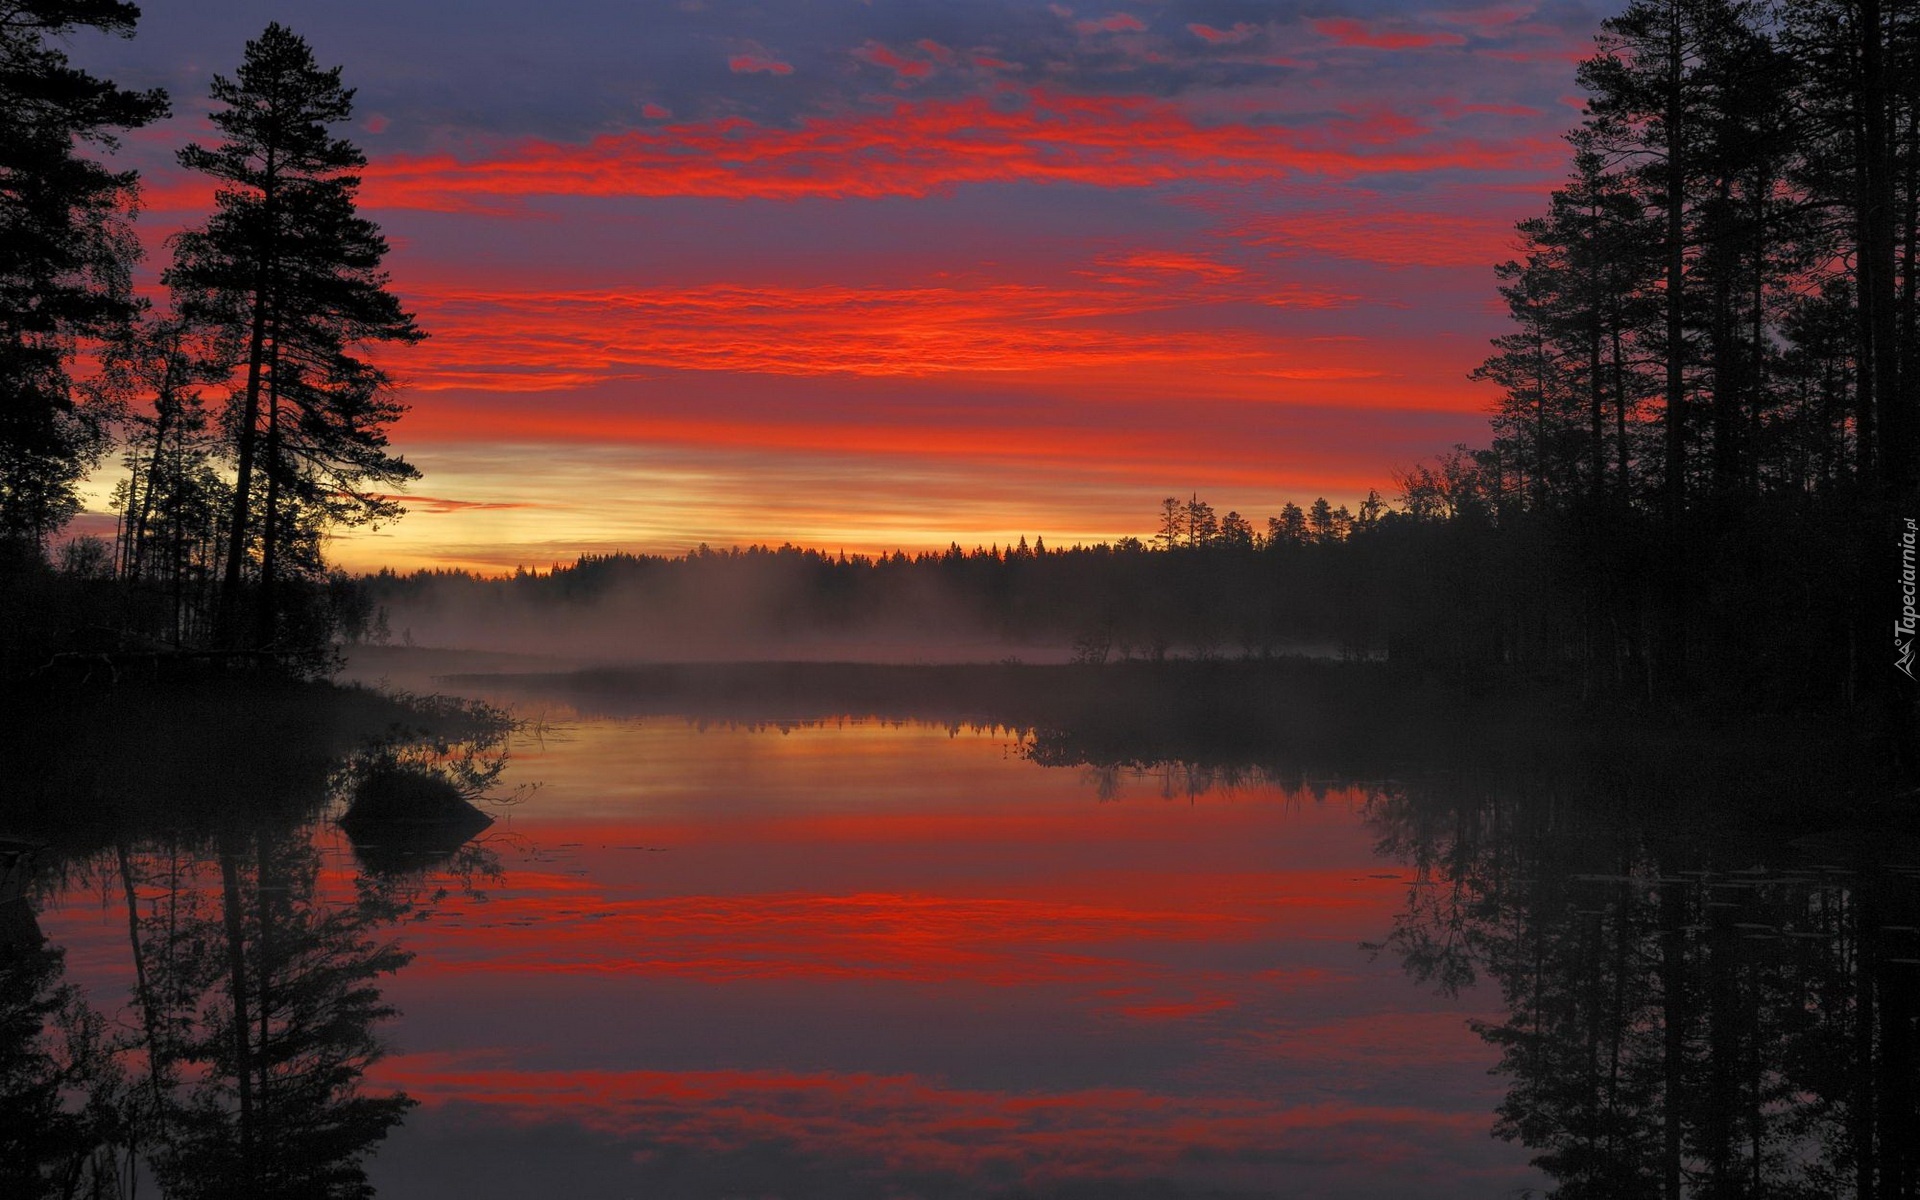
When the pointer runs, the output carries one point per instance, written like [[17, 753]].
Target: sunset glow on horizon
[[884, 276]]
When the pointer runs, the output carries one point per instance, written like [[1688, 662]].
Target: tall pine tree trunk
[[166, 405], [1675, 251], [243, 468], [1722, 345], [1863, 1103], [263, 296], [237, 990], [270, 523], [1673, 617], [143, 991], [1596, 390], [1622, 447], [1674, 1022], [1876, 261]]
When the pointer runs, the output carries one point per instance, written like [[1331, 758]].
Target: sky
[[903, 272]]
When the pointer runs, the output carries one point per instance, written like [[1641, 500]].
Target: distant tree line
[[1127, 599], [1317, 580], [247, 414]]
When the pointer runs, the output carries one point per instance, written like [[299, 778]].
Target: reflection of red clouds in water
[[907, 955], [1072, 924], [905, 938], [996, 940], [906, 1124], [916, 149], [1079, 927]]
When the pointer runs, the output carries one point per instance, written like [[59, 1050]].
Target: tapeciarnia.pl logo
[[1903, 629]]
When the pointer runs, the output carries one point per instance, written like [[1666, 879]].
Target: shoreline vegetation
[[201, 813], [1291, 718], [92, 766]]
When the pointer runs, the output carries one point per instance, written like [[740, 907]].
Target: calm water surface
[[866, 959]]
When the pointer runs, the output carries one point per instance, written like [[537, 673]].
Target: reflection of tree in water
[[266, 993], [52, 1049], [1681, 1022], [1169, 780], [1176, 779], [237, 1070]]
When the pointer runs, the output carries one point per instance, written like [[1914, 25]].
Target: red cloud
[[920, 149], [1240, 32], [753, 64], [902, 66], [1401, 239], [1116, 23], [442, 504], [170, 189], [1059, 441], [1454, 108], [497, 339], [1491, 17], [1346, 31], [1176, 262]]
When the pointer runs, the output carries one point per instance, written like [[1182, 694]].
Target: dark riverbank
[[88, 765]]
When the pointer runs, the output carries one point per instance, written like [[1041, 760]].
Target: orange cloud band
[[915, 149], [501, 339]]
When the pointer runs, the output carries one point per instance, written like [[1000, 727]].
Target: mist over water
[[760, 612], [1099, 604]]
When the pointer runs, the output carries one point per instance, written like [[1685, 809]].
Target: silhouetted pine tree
[[288, 265], [65, 252]]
